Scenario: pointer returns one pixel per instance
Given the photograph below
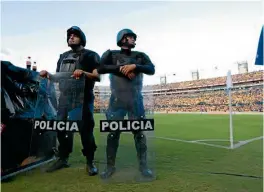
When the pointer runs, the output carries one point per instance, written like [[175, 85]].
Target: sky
[[178, 36]]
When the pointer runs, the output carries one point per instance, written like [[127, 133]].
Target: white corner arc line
[[241, 143]]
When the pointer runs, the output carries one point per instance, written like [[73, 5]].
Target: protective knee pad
[[140, 141], [113, 136], [112, 146], [113, 141]]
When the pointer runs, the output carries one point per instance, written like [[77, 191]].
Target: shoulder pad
[[65, 53], [90, 52], [142, 54], [107, 53], [115, 51], [136, 52]]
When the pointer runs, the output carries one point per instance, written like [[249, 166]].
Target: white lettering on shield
[[126, 125], [70, 126]]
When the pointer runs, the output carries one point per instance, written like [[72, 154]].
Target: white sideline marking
[[187, 141], [196, 142], [211, 140], [241, 143]]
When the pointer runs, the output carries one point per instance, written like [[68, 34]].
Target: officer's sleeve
[[106, 64], [146, 66], [95, 63], [58, 64]]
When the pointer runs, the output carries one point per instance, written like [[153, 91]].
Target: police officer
[[126, 68], [81, 62]]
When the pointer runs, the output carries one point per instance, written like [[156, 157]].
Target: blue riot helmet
[[77, 31], [123, 34]]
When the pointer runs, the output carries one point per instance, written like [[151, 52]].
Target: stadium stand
[[204, 95]]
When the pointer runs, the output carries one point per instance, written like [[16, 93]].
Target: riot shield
[[19, 90], [57, 116], [127, 131]]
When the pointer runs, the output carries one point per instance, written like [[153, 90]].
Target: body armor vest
[[68, 93], [70, 62], [123, 88]]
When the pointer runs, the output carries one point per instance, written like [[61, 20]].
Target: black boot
[[108, 172], [60, 163], [141, 147], [91, 169], [90, 166], [111, 150], [146, 172]]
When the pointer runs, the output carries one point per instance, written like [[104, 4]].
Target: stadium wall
[[209, 113], [213, 112]]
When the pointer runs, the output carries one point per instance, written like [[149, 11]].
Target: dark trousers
[[117, 111], [85, 115]]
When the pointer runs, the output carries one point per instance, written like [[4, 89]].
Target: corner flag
[[259, 56], [229, 83]]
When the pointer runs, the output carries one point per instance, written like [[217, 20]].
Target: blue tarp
[[22, 91]]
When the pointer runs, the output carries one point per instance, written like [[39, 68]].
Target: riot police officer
[[81, 62], [126, 68]]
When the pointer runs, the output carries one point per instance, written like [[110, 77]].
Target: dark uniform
[[126, 98], [69, 61]]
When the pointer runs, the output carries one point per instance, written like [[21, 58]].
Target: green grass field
[[180, 164]]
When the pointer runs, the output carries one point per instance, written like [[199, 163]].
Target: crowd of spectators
[[237, 78], [244, 98]]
